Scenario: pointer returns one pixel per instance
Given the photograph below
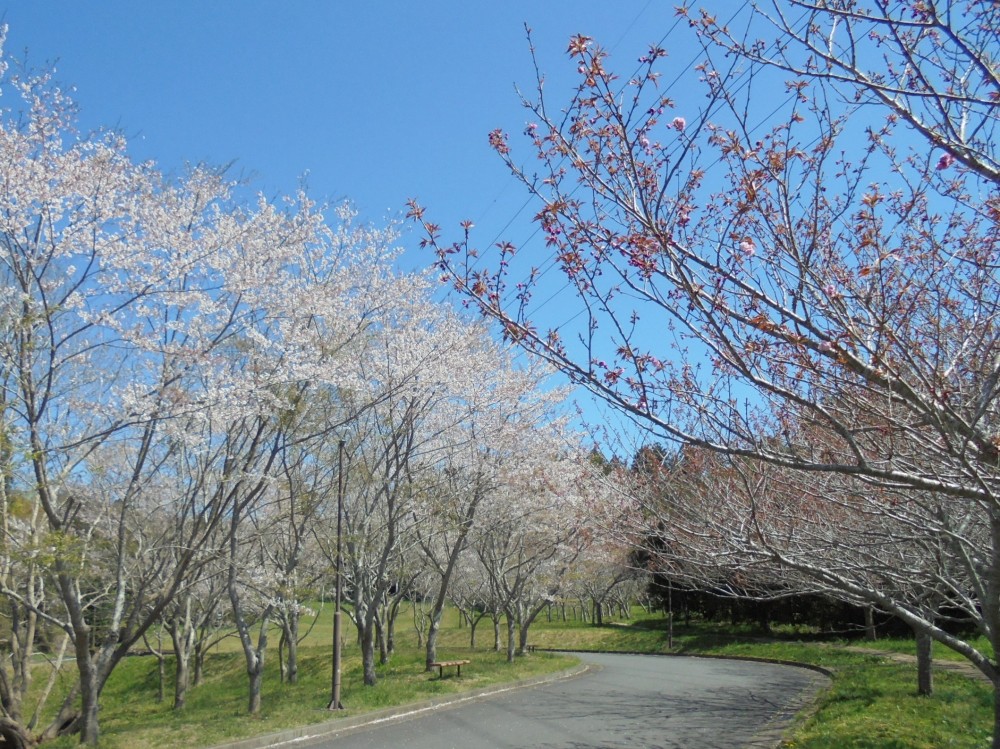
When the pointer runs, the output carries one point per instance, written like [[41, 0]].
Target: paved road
[[624, 701]]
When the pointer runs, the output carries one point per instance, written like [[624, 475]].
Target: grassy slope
[[871, 703]]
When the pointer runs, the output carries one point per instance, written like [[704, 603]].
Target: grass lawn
[[131, 718], [871, 703], [940, 652]]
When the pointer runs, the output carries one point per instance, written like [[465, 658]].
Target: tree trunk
[[366, 640], [199, 664], [511, 635], [473, 623], [14, 735], [182, 678], [925, 679], [670, 616], [525, 620], [368, 652], [437, 610], [432, 637], [522, 637], [255, 668], [254, 656], [281, 654], [89, 730], [256, 675], [870, 633], [183, 640], [496, 634], [390, 628], [383, 648], [161, 675], [293, 648]]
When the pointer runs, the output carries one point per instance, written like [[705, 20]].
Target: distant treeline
[[827, 615]]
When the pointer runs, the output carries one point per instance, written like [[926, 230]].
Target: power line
[[742, 81], [738, 84], [520, 210]]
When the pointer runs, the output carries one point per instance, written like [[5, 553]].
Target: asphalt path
[[622, 701]]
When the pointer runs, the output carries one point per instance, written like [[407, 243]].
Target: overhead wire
[[552, 261], [507, 184], [520, 210], [740, 82]]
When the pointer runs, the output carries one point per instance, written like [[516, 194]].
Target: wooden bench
[[440, 665]]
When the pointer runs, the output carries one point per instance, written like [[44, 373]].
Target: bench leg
[[458, 673]]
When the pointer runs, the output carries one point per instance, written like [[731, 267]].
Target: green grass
[[939, 651], [870, 704], [216, 710]]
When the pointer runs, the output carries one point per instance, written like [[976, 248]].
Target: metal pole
[[670, 615], [335, 703]]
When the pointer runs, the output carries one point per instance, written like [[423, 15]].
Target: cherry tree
[[502, 416], [470, 593], [195, 623], [807, 279], [532, 533], [289, 543], [601, 573], [252, 451], [145, 319], [377, 516], [350, 279], [746, 528], [395, 419]]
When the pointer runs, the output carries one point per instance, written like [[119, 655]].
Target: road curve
[[623, 701]]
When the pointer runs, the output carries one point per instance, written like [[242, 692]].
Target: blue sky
[[375, 102]]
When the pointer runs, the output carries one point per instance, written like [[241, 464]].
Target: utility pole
[[335, 703]]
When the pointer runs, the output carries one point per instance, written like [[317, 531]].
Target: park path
[[673, 702]]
